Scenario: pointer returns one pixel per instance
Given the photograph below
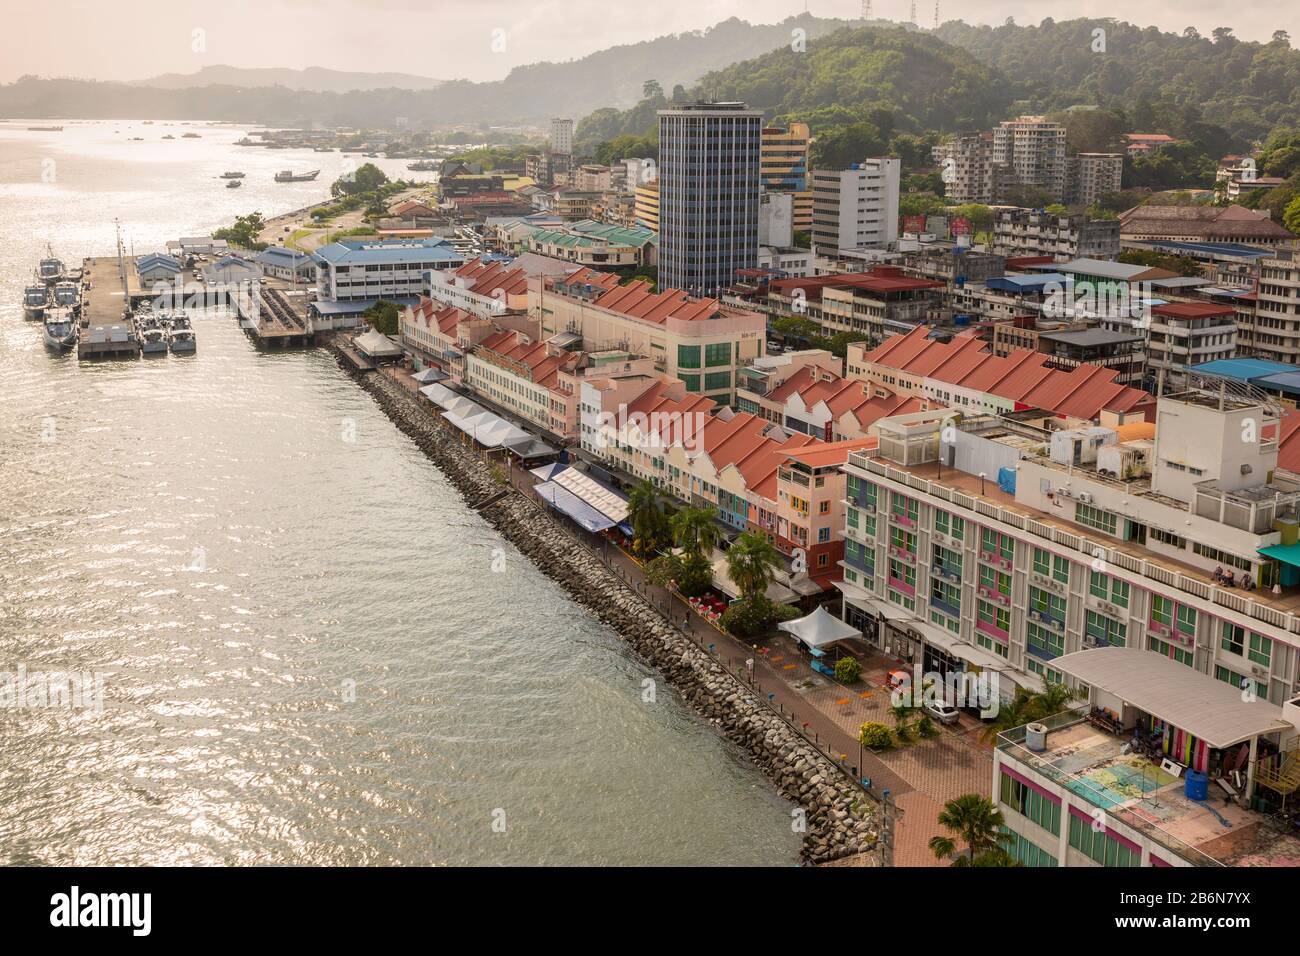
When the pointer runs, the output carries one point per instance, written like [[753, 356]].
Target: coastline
[[838, 816]]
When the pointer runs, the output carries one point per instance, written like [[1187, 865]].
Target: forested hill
[[849, 76], [1245, 87], [529, 94], [1220, 92]]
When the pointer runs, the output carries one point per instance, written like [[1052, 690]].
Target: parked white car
[[943, 712]]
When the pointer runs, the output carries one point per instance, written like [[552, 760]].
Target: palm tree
[[976, 820], [1028, 706], [752, 563], [649, 522], [695, 531]]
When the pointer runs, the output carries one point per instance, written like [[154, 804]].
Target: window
[[947, 560], [995, 580], [1164, 537], [1186, 619], [1261, 649], [1106, 588], [1172, 651], [946, 595], [823, 535], [1162, 610], [995, 616], [1048, 604], [1044, 643], [1052, 565], [717, 381], [692, 382], [1232, 677], [989, 644], [1100, 846], [903, 573], [953, 526], [851, 518], [1028, 802], [1096, 518], [824, 508], [714, 355], [1105, 631], [688, 356], [998, 545], [904, 540], [1025, 851], [904, 506], [1234, 638]]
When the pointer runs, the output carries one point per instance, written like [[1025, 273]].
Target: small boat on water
[[234, 184], [235, 174], [45, 129], [51, 268], [60, 330], [423, 166], [66, 294], [289, 176], [36, 299], [182, 340], [190, 136]]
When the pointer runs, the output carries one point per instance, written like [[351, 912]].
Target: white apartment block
[[1090, 176], [856, 208], [562, 136], [1033, 151], [1272, 331], [1040, 550]]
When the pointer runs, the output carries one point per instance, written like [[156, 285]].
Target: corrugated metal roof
[[1194, 702]]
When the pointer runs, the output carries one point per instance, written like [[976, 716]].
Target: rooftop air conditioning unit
[[1085, 497]]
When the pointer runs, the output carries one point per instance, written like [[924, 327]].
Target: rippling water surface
[[242, 543]]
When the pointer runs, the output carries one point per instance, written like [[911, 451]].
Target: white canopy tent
[[820, 628]]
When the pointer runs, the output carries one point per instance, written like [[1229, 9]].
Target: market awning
[[574, 507], [819, 629], [440, 395], [1286, 553], [601, 497], [530, 447], [428, 376], [547, 472], [1196, 703]]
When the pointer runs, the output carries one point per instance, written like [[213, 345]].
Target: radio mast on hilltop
[[866, 9], [912, 18], [936, 14]]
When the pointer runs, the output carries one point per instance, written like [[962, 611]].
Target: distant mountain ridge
[[315, 79], [529, 94]]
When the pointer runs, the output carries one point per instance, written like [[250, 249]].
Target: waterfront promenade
[[919, 777]]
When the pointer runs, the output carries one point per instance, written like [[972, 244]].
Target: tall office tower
[[562, 136], [1033, 150], [708, 195], [856, 208], [784, 168]]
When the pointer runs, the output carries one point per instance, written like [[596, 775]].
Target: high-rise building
[[646, 209], [784, 168], [1090, 176], [1033, 150], [708, 194], [856, 208], [965, 167], [562, 136]]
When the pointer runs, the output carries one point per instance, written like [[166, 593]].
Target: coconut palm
[[975, 819], [648, 518], [752, 563], [694, 530], [1029, 706]]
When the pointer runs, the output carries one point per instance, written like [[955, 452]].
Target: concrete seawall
[[839, 818]]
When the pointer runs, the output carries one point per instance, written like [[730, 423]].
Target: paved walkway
[[920, 776]]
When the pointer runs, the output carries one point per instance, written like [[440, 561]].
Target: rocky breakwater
[[837, 818]]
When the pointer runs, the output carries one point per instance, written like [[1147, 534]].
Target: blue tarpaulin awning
[[572, 506]]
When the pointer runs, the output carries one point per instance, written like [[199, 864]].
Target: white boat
[[51, 269], [233, 174], [36, 299], [182, 340], [66, 294], [60, 330], [153, 340]]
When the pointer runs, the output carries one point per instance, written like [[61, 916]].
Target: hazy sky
[[134, 39]]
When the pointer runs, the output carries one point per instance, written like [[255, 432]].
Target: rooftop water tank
[[1196, 785]]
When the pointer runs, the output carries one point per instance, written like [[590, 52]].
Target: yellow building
[[783, 167], [647, 205]]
